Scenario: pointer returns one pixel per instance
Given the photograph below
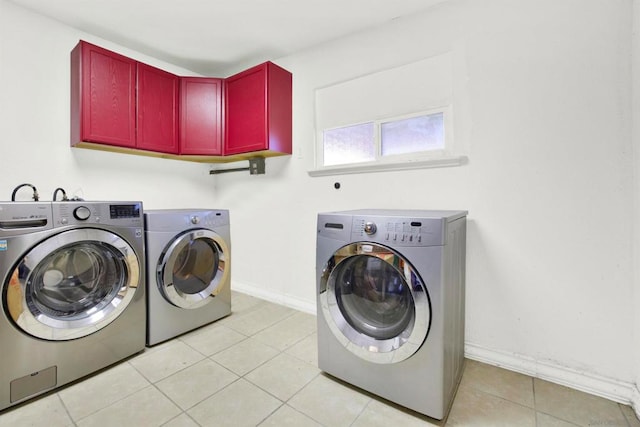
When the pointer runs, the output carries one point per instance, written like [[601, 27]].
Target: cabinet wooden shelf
[[189, 158]]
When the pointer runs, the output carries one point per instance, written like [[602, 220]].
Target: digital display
[[124, 211]]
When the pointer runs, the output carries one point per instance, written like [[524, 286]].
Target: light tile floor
[[259, 367]]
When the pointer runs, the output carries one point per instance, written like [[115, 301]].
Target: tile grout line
[[280, 352], [203, 399], [303, 413], [489, 393], [364, 408], [248, 372], [219, 351], [271, 413], [65, 408], [284, 351], [182, 413], [179, 370], [209, 358], [93, 376]]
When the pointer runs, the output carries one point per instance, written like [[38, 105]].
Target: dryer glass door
[[73, 284], [192, 268], [375, 302]]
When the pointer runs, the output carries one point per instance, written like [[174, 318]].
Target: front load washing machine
[[188, 261], [390, 293], [73, 292]]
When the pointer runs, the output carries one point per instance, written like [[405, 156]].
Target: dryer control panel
[[172, 220], [399, 231], [391, 227]]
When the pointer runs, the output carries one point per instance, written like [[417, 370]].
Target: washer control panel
[[18, 218], [82, 213], [125, 214]]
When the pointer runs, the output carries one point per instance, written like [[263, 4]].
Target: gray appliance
[[390, 296], [73, 292], [189, 272]]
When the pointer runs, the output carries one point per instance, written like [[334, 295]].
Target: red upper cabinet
[[258, 110], [119, 104], [201, 116], [103, 88], [157, 107]]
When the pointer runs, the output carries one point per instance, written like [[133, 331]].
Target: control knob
[[370, 228], [82, 213]]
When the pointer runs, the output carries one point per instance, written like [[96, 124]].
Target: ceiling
[[207, 36]]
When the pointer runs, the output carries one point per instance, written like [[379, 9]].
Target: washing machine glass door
[[375, 302], [73, 284], [193, 268]]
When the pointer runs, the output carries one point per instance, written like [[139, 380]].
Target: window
[[414, 137], [389, 119], [350, 144]]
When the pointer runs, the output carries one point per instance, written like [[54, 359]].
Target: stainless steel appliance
[[188, 261], [390, 294], [73, 292]]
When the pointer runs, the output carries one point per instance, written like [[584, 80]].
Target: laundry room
[[541, 111]]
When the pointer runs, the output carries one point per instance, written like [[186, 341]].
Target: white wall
[[542, 107], [34, 124], [636, 195]]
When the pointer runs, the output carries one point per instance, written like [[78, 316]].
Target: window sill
[[382, 167]]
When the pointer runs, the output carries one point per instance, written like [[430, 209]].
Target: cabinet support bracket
[[256, 167]]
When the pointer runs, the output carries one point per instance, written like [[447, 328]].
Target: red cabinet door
[[201, 116], [157, 105], [103, 88], [258, 113]]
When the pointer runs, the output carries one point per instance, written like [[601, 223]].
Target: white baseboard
[[618, 391], [286, 300]]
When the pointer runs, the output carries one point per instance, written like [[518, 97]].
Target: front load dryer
[[188, 261], [73, 292], [390, 295]]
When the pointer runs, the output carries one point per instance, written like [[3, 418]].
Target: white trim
[[609, 388], [286, 300], [438, 162]]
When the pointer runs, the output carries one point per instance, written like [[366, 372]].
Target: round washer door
[[374, 302], [192, 268], [72, 284]]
